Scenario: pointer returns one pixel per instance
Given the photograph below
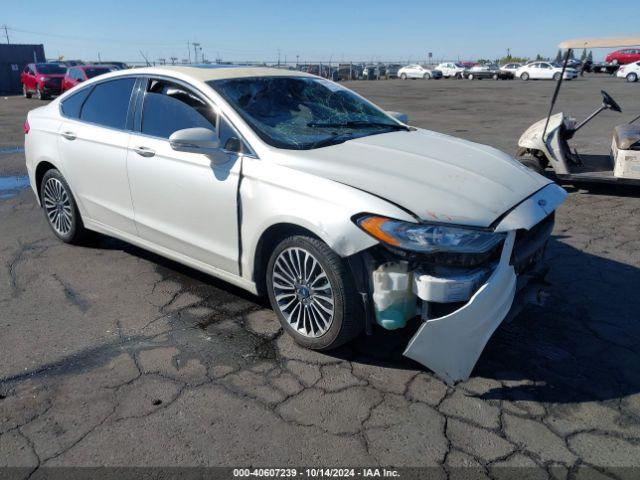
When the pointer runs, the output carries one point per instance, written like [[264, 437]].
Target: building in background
[[13, 58]]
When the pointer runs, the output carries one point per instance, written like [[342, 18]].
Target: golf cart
[[545, 143]]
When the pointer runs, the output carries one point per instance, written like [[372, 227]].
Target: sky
[[326, 30]]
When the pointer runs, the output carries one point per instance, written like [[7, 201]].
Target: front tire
[[524, 76], [534, 163], [403, 76], [313, 294], [632, 77], [40, 95], [426, 76], [60, 208], [556, 76], [25, 92]]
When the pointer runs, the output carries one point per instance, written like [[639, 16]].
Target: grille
[[529, 245]]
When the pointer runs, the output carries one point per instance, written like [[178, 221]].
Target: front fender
[[272, 194], [532, 136]]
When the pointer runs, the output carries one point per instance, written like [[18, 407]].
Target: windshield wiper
[[357, 124]]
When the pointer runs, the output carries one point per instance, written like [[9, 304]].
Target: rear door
[[184, 202], [93, 142]]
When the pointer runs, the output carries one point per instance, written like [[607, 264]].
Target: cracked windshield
[[303, 113]]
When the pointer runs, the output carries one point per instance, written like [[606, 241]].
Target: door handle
[[69, 135], [144, 151]]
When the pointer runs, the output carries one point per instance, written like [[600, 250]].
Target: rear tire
[[556, 76], [524, 76], [495, 76], [470, 77], [313, 294], [426, 76], [632, 77], [403, 76], [25, 92], [60, 208]]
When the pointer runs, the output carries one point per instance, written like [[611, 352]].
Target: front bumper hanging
[[450, 345]]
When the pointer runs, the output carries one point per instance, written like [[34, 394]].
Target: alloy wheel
[[58, 206], [303, 292]]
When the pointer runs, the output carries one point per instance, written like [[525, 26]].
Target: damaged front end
[[460, 297]]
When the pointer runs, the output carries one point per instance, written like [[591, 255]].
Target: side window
[[71, 106], [32, 69], [26, 69], [169, 107], [108, 103]]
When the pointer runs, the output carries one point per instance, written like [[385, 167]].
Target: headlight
[[428, 238]]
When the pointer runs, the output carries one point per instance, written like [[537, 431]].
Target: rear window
[[108, 103], [50, 69], [71, 105]]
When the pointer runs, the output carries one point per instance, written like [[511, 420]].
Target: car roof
[[206, 73], [91, 66]]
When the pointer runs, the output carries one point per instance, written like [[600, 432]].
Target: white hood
[[435, 176]]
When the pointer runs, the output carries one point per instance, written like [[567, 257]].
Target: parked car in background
[[479, 72], [630, 71], [373, 72], [116, 65], [451, 69], [544, 71], [42, 80], [79, 74], [623, 56], [299, 189], [418, 71], [72, 63], [392, 70], [510, 67]]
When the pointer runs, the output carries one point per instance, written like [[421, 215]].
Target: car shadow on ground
[[582, 345]]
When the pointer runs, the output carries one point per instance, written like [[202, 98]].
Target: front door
[[184, 202]]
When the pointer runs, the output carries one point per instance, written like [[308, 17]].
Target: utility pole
[[6, 33], [297, 56], [99, 60], [195, 51], [189, 50], [278, 58]]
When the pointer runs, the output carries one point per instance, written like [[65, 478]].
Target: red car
[[42, 80], [624, 56], [80, 73]]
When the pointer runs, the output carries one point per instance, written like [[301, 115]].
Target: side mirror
[[401, 117], [195, 140]]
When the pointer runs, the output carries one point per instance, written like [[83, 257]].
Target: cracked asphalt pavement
[[113, 356]]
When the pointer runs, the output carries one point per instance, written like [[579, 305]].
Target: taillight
[[26, 127]]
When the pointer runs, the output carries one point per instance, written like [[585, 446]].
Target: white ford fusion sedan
[[290, 185]]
